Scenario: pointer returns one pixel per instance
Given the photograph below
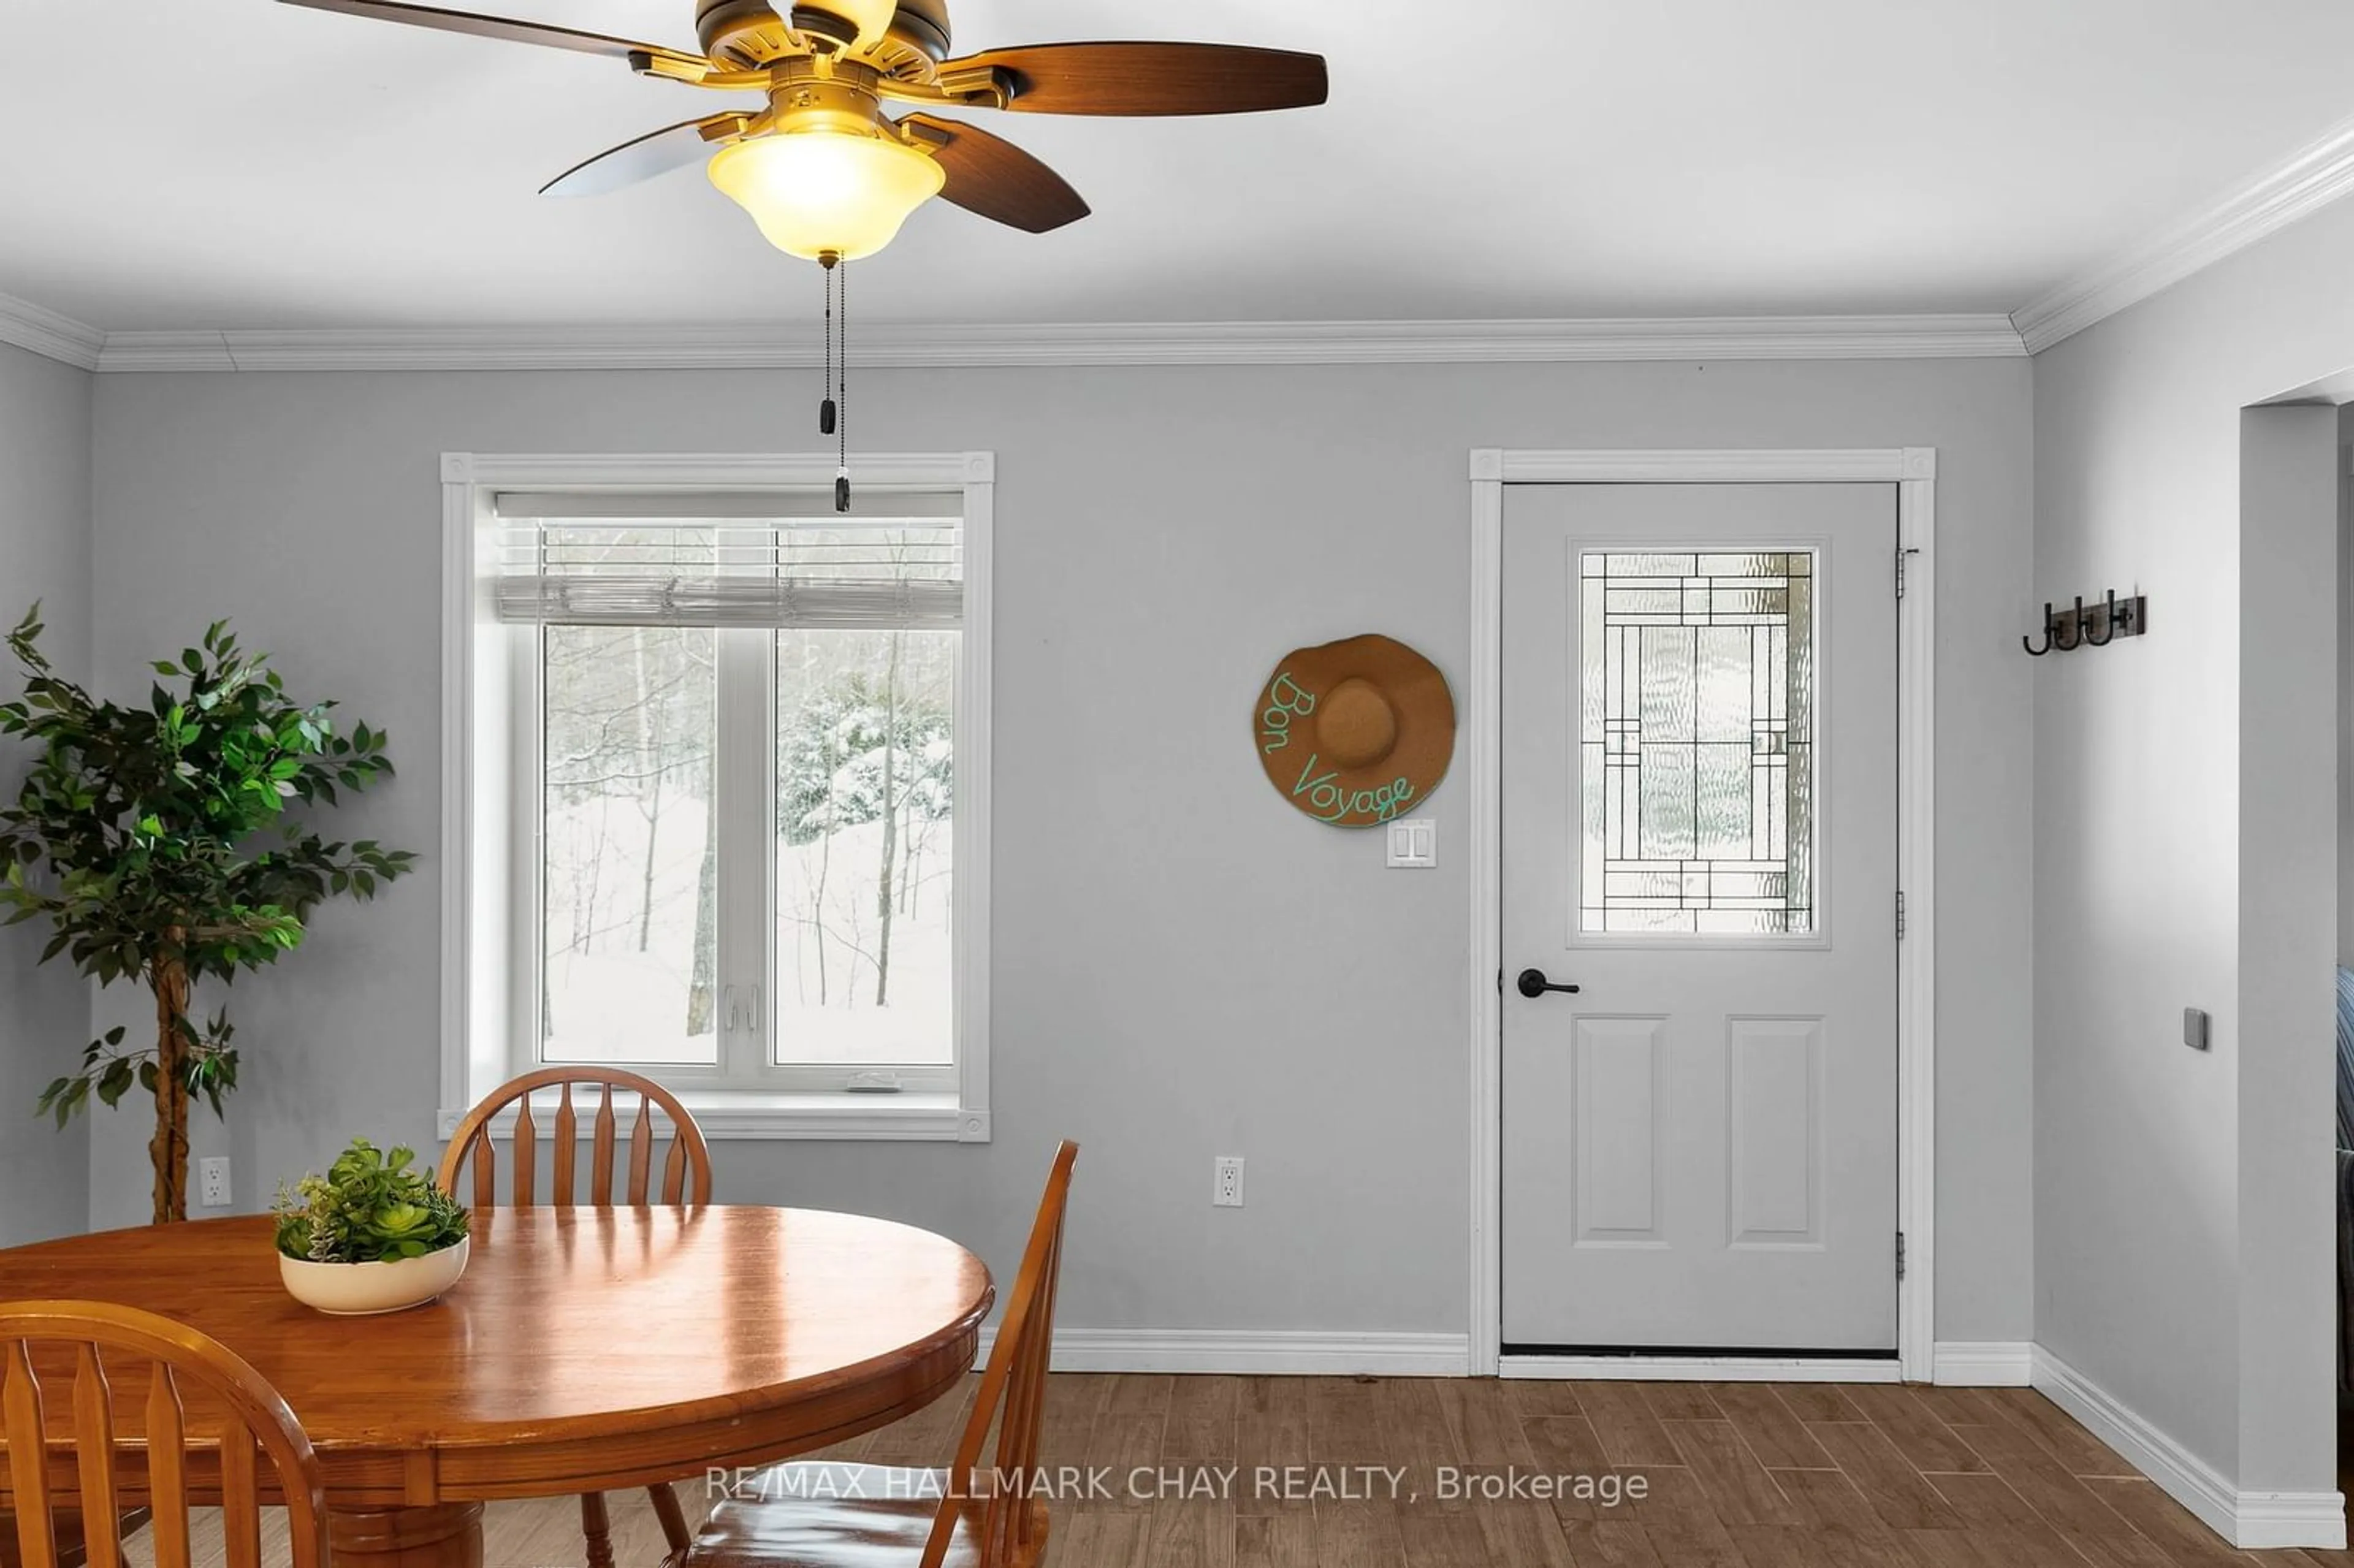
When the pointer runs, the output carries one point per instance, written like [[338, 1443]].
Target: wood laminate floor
[[1736, 1475]]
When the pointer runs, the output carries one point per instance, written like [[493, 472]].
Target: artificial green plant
[[369, 1207], [156, 843]]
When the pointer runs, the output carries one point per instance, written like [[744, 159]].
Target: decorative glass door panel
[[1697, 742]]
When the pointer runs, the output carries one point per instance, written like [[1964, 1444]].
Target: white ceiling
[[237, 164]]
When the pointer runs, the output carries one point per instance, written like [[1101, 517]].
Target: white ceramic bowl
[[363, 1289]]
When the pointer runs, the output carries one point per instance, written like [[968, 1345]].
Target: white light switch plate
[[1414, 843]]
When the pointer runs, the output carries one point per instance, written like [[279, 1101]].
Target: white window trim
[[475, 1053]]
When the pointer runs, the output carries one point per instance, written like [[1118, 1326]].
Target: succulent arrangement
[[369, 1207]]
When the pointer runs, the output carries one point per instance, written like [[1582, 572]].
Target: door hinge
[[1902, 552], [1900, 1255], [1900, 914]]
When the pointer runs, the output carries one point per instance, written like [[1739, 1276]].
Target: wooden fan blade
[[1153, 79], [504, 27], [656, 153], [992, 177]]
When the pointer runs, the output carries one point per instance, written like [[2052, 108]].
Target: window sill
[[744, 1115]]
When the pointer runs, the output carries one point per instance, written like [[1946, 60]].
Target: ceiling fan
[[823, 170]]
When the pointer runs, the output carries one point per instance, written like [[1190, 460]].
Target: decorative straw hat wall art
[[1354, 732]]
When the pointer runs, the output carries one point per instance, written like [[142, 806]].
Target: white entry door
[[1700, 835]]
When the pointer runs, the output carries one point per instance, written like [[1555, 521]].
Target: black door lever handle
[[1533, 983]]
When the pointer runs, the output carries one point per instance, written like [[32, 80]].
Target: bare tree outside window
[[865, 727], [628, 850]]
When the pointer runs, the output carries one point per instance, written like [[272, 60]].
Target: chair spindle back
[[1016, 1379], [686, 1172], [255, 1426]]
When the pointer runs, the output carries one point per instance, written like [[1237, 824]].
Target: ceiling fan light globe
[[821, 192]]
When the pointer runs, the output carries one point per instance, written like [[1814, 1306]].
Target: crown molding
[[1534, 342], [1184, 342], [2308, 180], [44, 331]]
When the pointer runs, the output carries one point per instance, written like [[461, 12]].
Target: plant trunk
[[169, 1151], [650, 772], [704, 980], [646, 873], [825, 870], [882, 899]]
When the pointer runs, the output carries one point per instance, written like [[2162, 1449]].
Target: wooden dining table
[[585, 1349]]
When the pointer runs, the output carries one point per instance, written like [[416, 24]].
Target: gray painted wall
[[45, 467], [1184, 967], [2157, 1224], [2346, 707], [2289, 485]]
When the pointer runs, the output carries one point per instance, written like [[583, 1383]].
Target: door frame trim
[[1914, 471]]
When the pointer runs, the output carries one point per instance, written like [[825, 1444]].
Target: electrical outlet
[[212, 1183], [1227, 1190]]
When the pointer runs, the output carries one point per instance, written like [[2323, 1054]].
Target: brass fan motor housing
[[831, 66], [843, 99], [751, 34]]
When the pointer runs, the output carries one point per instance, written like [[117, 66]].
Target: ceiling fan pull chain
[[825, 411], [842, 392]]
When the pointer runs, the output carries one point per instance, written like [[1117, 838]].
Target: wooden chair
[[686, 1174], [686, 1179], [817, 1515], [250, 1416]]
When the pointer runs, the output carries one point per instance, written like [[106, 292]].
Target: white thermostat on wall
[[2194, 1029], [1414, 843]]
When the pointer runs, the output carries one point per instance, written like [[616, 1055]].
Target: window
[[1697, 738], [629, 846], [729, 831]]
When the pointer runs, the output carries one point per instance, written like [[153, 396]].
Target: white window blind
[[754, 560]]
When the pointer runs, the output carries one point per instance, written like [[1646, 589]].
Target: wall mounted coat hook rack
[[2090, 625]]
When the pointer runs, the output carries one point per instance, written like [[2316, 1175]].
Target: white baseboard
[[1703, 1368], [2269, 1519], [1296, 1352], [1982, 1363], [2249, 1520]]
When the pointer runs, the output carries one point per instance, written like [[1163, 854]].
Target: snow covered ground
[[610, 1001]]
